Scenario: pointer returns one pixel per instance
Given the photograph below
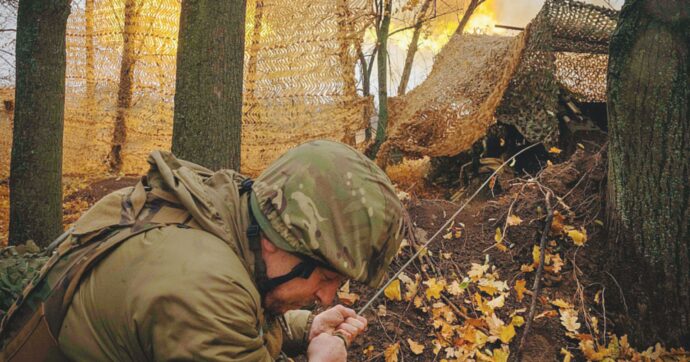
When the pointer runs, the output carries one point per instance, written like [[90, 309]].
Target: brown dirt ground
[[578, 179]]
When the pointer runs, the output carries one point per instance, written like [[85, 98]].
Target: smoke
[[520, 13]]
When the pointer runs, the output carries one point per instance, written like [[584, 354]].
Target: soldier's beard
[[281, 300]]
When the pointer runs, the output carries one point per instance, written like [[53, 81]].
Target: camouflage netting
[[299, 81], [478, 80], [17, 266]]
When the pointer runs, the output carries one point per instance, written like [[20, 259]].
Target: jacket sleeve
[[298, 323], [221, 327], [200, 308]]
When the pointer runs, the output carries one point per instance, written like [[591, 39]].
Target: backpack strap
[[37, 337], [59, 301]]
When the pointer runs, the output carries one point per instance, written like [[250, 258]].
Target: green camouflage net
[[479, 80], [18, 264]]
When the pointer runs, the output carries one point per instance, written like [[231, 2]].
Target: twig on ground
[[625, 305], [537, 277]]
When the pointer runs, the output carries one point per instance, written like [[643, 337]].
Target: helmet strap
[[302, 270], [265, 284]]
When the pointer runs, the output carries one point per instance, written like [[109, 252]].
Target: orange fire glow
[[483, 20]]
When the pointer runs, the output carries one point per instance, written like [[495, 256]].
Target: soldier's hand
[[326, 347], [338, 318]]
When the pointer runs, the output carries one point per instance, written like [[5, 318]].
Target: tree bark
[[124, 91], [36, 165], [208, 97], [649, 167], [412, 49], [90, 55], [382, 70]]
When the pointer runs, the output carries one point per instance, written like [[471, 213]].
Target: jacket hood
[[182, 191]]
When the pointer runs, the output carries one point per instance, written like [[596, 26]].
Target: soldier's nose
[[326, 295]]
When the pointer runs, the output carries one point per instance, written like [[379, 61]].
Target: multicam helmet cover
[[327, 201]]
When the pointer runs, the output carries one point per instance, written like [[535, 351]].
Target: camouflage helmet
[[329, 202]]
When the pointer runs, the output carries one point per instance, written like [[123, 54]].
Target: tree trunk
[[649, 168], [412, 49], [382, 70], [36, 165], [124, 91], [252, 57], [471, 7], [364, 71], [208, 97], [90, 55]]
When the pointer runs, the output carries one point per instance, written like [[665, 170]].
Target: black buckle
[[246, 186], [253, 230]]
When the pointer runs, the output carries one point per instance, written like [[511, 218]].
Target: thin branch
[[537, 278]]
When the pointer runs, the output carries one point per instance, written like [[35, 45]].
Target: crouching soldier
[[191, 264]]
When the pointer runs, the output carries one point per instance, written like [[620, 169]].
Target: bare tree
[[384, 8], [36, 166], [471, 7], [208, 95], [124, 91], [412, 49]]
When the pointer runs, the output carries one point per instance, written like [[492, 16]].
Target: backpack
[[30, 329]]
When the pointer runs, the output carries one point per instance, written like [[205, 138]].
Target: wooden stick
[[537, 278]]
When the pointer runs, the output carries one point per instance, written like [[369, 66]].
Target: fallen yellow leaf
[[456, 288], [514, 220], [507, 333], [556, 263], [560, 303], [482, 305], [567, 356], [434, 288], [416, 348], [569, 320], [497, 302], [536, 254], [410, 285], [392, 291], [557, 223], [477, 271], [391, 352], [498, 236], [501, 355], [520, 289], [547, 314], [381, 310], [555, 150], [345, 296], [579, 237], [517, 321], [526, 268]]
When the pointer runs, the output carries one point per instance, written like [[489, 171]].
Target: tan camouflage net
[[299, 81], [478, 80], [456, 103]]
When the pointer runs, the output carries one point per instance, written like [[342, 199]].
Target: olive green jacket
[[181, 292]]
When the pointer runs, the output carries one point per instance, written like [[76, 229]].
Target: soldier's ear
[[267, 246]]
